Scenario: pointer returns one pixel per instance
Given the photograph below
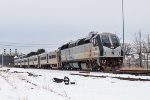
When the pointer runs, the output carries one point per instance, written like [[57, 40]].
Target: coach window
[[35, 59], [43, 58], [52, 56]]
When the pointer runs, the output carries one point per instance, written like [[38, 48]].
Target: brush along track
[[133, 72], [103, 76]]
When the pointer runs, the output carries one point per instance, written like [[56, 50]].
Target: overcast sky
[[56, 22]]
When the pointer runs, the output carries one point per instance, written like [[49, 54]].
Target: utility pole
[[123, 22], [148, 51], [123, 29]]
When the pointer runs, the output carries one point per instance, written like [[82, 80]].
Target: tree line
[[140, 46], [39, 51]]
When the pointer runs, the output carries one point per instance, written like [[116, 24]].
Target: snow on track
[[37, 84]]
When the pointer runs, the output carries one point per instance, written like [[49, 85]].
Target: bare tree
[[146, 47], [127, 48], [127, 52], [137, 46], [146, 44]]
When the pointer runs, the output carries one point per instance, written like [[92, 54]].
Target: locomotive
[[97, 51]]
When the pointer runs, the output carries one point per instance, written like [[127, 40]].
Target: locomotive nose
[[113, 52]]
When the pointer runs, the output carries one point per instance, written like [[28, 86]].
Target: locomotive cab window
[[105, 41], [115, 41]]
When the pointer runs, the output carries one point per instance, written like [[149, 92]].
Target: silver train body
[[95, 52], [45, 60]]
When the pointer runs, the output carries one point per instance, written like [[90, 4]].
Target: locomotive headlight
[[112, 47]]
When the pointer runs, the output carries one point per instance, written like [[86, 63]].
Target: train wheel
[[101, 68]]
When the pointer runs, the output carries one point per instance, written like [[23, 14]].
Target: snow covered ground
[[37, 84]]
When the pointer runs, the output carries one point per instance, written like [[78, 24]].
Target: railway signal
[[10, 51], [4, 51], [15, 51]]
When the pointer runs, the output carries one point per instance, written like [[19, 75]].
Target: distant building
[[8, 60]]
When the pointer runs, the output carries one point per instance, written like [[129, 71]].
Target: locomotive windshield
[[105, 41], [115, 41]]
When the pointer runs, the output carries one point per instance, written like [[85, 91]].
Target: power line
[[24, 46], [7, 45], [29, 45], [26, 43]]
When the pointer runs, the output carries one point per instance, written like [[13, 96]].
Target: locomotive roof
[[83, 40], [79, 41], [107, 33]]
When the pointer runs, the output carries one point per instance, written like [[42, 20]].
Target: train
[[97, 51]]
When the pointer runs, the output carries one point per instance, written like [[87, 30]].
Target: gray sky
[[58, 21]]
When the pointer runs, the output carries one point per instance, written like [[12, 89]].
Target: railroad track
[[133, 72]]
